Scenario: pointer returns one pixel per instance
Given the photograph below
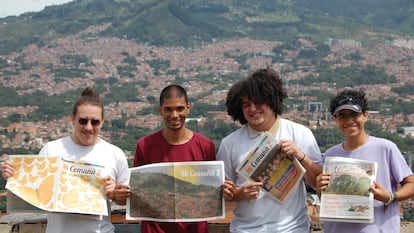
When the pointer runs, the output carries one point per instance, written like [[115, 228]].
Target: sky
[[17, 7]]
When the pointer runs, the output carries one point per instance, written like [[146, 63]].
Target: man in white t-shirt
[[86, 145], [257, 103]]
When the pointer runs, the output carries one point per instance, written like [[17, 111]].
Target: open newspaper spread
[[265, 163], [17, 205], [347, 197], [51, 183], [177, 192]]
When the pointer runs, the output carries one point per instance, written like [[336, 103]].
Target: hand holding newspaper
[[265, 163], [52, 183], [177, 192], [347, 197]]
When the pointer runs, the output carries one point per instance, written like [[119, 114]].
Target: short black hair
[[173, 90]]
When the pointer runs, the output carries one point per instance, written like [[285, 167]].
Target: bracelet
[[300, 160], [395, 197], [391, 199]]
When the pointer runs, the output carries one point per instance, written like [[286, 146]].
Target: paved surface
[[36, 223]]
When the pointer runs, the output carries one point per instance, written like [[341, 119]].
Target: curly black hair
[[349, 96], [264, 86], [233, 101]]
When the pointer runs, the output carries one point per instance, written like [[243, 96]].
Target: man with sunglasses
[[394, 181], [85, 145]]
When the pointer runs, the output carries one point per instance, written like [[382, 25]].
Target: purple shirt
[[392, 169]]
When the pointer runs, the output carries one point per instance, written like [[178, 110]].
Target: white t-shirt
[[102, 153], [265, 214]]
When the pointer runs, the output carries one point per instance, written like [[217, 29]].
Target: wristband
[[391, 199], [302, 158], [395, 197]]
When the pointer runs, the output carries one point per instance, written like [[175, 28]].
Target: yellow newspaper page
[[52, 183]]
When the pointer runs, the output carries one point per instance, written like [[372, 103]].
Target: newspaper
[[347, 197], [51, 183], [177, 192], [17, 205], [265, 163]]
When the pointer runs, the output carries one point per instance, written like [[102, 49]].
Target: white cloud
[[17, 7]]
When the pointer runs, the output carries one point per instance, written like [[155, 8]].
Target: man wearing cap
[[394, 181]]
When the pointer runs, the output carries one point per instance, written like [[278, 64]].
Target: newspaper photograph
[[177, 192], [278, 173], [51, 183], [347, 197]]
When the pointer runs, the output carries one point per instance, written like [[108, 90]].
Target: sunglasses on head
[[346, 100], [84, 121]]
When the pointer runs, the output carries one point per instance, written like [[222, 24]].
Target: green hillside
[[188, 23]]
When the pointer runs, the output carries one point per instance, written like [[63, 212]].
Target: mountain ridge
[[190, 23]]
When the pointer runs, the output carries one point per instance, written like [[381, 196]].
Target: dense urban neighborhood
[[204, 71], [130, 76]]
